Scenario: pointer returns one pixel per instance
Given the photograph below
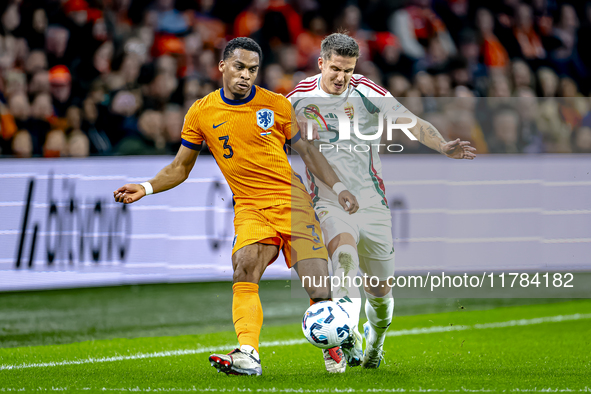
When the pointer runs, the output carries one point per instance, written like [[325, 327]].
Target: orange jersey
[[247, 138]]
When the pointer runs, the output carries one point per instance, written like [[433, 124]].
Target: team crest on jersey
[[322, 214], [349, 110], [265, 118], [396, 106]]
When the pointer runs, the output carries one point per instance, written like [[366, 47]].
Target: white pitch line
[[302, 390], [412, 331], [510, 323], [119, 358]]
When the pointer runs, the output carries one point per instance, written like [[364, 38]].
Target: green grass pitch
[[158, 338]]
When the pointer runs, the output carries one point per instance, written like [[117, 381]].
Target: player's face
[[239, 73], [336, 73]]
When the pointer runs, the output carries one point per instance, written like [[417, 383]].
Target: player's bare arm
[[317, 164], [170, 176], [428, 135]]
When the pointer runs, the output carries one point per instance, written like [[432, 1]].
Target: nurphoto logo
[[346, 118]]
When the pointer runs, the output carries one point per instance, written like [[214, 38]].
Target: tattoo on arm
[[435, 135], [428, 135]]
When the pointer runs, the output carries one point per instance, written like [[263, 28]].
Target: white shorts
[[371, 228]]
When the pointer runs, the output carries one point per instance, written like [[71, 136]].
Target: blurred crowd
[[115, 77]]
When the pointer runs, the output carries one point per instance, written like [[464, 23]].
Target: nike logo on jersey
[[216, 126], [317, 248]]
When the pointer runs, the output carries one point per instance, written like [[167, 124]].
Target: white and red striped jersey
[[355, 161]]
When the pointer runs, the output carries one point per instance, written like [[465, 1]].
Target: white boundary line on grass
[[412, 331], [300, 390]]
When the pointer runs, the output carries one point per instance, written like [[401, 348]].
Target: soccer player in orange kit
[[245, 128]]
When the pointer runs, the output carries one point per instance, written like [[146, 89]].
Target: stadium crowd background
[[115, 77]]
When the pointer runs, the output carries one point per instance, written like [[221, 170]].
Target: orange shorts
[[295, 229]]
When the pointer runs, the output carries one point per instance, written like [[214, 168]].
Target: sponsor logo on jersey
[[265, 118]]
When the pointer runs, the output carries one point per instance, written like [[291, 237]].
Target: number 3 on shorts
[[314, 233]]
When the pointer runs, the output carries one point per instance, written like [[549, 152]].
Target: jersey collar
[[253, 91]]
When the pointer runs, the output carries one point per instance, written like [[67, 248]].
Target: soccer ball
[[326, 324]]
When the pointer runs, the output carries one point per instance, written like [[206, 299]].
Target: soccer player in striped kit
[[362, 240]]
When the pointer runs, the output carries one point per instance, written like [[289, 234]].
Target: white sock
[[250, 350], [379, 313], [345, 264], [352, 306]]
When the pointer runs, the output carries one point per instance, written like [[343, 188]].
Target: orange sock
[[247, 313]]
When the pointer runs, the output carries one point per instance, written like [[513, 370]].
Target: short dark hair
[[245, 43], [340, 44]]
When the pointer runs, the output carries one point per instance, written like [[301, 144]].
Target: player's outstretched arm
[[170, 176], [428, 135], [318, 165]]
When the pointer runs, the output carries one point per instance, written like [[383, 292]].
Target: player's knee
[[245, 271], [381, 290], [342, 240], [250, 262]]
